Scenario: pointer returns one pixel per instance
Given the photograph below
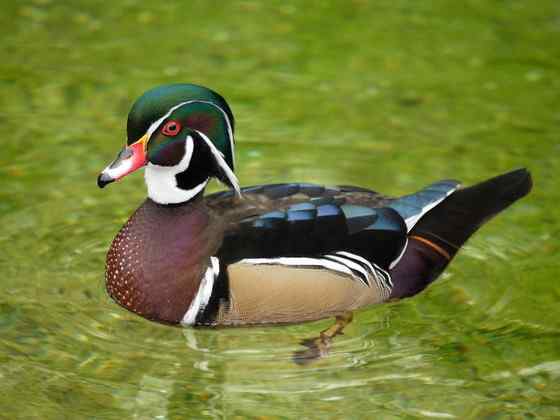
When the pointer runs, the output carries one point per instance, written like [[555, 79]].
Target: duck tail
[[452, 222], [440, 233]]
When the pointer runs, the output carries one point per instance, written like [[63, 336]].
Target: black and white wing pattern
[[316, 227], [294, 252]]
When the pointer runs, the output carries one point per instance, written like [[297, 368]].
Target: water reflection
[[390, 359], [369, 363], [237, 370]]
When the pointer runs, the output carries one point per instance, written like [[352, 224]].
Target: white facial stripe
[[204, 292], [162, 181], [154, 126], [223, 164], [229, 128]]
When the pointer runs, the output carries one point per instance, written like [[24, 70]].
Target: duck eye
[[171, 128]]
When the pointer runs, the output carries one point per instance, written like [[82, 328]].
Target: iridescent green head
[[183, 134], [202, 109]]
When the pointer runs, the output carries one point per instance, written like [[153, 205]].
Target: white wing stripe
[[301, 261], [412, 220], [396, 260], [353, 266], [336, 263], [384, 277], [356, 258]]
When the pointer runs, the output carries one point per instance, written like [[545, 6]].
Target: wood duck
[[270, 254]]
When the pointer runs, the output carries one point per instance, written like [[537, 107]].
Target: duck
[[280, 253]]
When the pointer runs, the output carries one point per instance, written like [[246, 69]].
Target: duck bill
[[127, 161]]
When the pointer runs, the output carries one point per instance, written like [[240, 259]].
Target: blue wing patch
[[312, 228], [412, 207]]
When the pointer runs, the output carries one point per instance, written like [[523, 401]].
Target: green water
[[387, 94]]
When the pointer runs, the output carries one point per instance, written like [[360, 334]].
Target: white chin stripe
[[204, 292], [162, 181]]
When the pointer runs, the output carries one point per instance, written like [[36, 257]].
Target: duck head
[[183, 135]]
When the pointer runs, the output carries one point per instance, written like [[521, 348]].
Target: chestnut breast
[[157, 260]]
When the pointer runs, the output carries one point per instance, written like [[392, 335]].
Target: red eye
[[171, 128]]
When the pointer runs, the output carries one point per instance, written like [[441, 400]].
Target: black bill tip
[[103, 179]]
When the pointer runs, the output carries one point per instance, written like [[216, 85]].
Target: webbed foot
[[318, 347]]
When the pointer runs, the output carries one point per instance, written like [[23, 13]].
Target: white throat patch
[[162, 182]]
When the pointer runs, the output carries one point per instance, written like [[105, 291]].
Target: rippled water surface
[[390, 94]]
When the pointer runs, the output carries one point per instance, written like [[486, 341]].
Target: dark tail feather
[[437, 237], [451, 223]]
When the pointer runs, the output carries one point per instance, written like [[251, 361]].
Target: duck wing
[[295, 252]]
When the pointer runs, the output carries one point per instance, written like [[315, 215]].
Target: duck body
[[267, 256], [270, 254]]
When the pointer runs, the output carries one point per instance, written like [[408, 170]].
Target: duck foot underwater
[[318, 347], [277, 253]]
